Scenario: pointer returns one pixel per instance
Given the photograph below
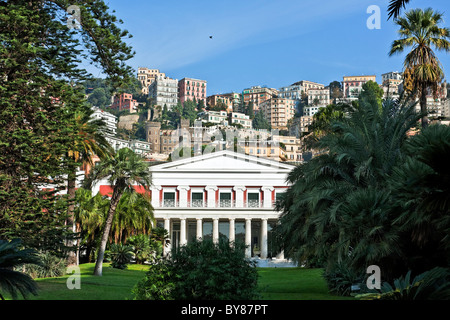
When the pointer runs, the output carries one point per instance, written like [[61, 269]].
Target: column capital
[[239, 188], [267, 188], [264, 219], [211, 188], [159, 188], [183, 188]]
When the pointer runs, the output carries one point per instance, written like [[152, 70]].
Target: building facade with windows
[[278, 112], [190, 89], [164, 91], [147, 76], [258, 95], [220, 194], [352, 86]]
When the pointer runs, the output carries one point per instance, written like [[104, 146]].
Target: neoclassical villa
[[218, 194]]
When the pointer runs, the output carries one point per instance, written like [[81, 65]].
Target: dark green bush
[[430, 285], [159, 282], [121, 255], [49, 266], [201, 270], [340, 279]]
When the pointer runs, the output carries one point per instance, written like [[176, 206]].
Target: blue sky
[[260, 42]]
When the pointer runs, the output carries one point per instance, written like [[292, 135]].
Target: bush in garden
[[141, 247], [202, 270], [49, 266], [121, 255], [159, 282]]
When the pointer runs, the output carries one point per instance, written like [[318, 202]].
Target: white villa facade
[[221, 194]]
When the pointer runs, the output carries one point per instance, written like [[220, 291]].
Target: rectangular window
[[253, 200], [197, 199], [169, 199], [225, 199]]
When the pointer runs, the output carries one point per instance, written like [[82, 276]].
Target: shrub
[[141, 247], [340, 279], [121, 255], [201, 270], [430, 285], [159, 282], [209, 271], [49, 266]]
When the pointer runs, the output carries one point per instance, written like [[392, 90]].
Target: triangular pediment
[[224, 161]]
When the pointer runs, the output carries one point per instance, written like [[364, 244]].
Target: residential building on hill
[[240, 118], [258, 95], [190, 89], [125, 101], [352, 86], [147, 76], [278, 111], [164, 91], [215, 99], [319, 97]]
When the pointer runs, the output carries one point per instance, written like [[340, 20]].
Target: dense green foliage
[[374, 196], [39, 95], [121, 255], [14, 282], [201, 270], [430, 285]]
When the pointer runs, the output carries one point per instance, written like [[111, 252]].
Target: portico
[[222, 194]]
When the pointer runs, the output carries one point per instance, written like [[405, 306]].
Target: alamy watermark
[[374, 21], [205, 140], [74, 20], [374, 280], [74, 280]]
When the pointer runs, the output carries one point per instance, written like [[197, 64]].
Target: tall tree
[[39, 71], [420, 29], [123, 171], [339, 207], [90, 142]]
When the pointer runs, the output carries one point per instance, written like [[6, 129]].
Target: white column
[[156, 200], [199, 228], [263, 238], [216, 230], [183, 200], [267, 196], [211, 194], [239, 196], [248, 237], [169, 245], [183, 232], [232, 236]]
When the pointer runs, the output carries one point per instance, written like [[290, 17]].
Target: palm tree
[[337, 205], [395, 6], [122, 171], [420, 30], [89, 142], [134, 214], [14, 282]]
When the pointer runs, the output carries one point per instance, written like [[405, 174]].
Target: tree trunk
[[423, 106], [118, 190], [72, 258]]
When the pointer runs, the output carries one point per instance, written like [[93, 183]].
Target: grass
[[294, 284], [275, 284]]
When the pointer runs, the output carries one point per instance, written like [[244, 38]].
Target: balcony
[[250, 204]]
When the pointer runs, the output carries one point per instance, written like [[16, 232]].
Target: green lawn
[[275, 284]]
